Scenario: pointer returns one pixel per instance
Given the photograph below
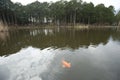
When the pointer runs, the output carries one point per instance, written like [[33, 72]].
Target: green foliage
[[64, 12], [6, 11]]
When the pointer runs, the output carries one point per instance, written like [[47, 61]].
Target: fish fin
[[63, 66], [70, 63]]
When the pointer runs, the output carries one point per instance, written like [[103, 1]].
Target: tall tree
[[118, 18]]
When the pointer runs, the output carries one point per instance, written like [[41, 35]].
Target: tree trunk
[[71, 18], [119, 23], [74, 22], [88, 20]]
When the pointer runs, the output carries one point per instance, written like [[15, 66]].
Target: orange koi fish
[[66, 64]]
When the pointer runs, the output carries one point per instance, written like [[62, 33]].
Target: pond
[[37, 54]]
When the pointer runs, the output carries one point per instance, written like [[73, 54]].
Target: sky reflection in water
[[99, 62]]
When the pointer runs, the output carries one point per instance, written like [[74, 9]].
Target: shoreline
[[79, 27], [73, 27]]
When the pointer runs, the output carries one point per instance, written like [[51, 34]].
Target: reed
[[3, 27]]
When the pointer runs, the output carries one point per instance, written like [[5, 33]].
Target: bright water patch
[[95, 62], [27, 64]]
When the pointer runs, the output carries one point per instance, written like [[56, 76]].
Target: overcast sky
[[115, 3]]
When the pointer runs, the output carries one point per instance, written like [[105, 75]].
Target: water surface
[[36, 54]]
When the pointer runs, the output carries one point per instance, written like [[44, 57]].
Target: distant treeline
[[61, 13]]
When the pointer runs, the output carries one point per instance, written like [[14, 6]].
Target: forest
[[59, 13]]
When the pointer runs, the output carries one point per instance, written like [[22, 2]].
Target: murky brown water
[[36, 54]]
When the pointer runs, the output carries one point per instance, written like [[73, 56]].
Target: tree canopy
[[60, 12]]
